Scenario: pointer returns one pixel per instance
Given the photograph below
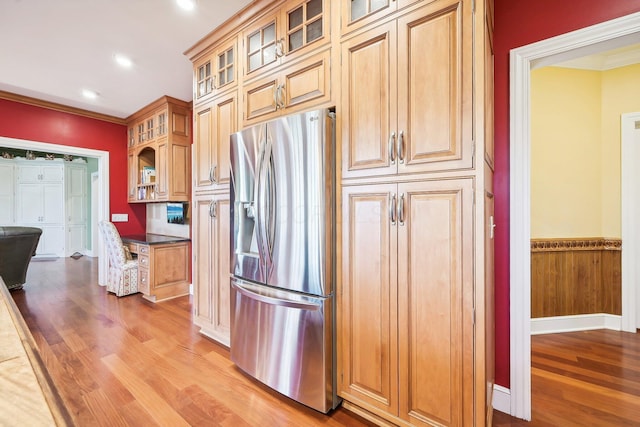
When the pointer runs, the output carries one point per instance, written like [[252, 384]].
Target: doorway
[[598, 38], [102, 181]]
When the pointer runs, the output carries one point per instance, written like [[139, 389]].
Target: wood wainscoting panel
[[575, 276]]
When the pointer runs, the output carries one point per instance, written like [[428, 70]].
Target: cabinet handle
[[213, 206], [280, 48], [281, 95], [392, 209], [401, 147], [212, 174], [275, 96], [401, 210], [392, 150]]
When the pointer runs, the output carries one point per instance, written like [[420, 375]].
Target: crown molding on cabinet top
[[251, 12], [60, 107], [163, 100]]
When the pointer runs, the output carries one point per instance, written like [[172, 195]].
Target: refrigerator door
[[284, 340], [300, 206], [248, 246]]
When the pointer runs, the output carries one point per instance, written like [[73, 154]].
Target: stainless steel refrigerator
[[283, 256]]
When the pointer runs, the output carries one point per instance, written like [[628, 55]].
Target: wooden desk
[[28, 397], [164, 265]]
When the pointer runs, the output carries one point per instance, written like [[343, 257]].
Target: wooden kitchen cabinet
[[406, 292], [159, 153], [217, 71], [284, 34], [212, 219], [406, 100], [299, 86], [164, 269], [214, 122], [359, 13]]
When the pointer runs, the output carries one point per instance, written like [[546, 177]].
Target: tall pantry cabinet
[[411, 82]]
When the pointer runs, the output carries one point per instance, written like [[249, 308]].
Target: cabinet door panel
[[368, 102], [30, 209], [259, 98], [180, 172], [221, 285], [433, 93], [203, 261], [225, 124], [368, 298], [308, 81], [203, 158], [7, 205], [435, 285]]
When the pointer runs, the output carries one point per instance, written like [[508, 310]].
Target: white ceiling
[[53, 49], [607, 60]]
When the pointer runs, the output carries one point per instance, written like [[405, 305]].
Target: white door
[[76, 209], [7, 185], [630, 228]]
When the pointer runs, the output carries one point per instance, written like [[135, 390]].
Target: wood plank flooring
[[129, 362], [588, 378]]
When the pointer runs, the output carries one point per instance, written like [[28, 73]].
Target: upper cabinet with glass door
[[358, 13], [292, 30], [217, 71]]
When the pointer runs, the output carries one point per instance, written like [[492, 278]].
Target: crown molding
[[60, 107]]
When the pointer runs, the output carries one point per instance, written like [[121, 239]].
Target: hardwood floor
[[128, 362], [589, 378]]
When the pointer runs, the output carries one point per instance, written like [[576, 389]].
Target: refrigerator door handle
[[260, 210], [270, 199], [302, 305]]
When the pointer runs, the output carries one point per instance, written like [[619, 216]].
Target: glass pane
[[254, 61], [209, 87], [221, 78], [358, 9], [207, 69], [295, 18], [314, 30], [230, 74], [254, 41], [295, 40], [230, 56], [269, 34], [314, 8], [200, 73], [221, 62], [269, 54], [378, 4]]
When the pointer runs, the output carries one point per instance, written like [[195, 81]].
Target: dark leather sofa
[[17, 246]]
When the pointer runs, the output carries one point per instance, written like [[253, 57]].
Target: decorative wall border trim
[[586, 244]]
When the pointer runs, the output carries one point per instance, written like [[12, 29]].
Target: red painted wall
[[519, 23], [32, 123]]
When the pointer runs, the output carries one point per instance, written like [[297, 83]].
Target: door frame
[[630, 154], [597, 38], [103, 180]]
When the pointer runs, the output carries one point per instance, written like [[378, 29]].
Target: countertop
[[28, 398], [152, 239]]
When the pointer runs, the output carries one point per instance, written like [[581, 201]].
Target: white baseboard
[[501, 399], [580, 322]]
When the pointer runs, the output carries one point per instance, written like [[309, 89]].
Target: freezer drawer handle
[[275, 301]]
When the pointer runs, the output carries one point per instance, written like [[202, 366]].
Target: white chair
[[122, 275]]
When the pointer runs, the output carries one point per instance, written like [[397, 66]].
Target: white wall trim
[[579, 322], [103, 179], [501, 399], [597, 38], [630, 154]]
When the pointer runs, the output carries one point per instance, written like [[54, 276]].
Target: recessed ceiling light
[[123, 61], [187, 4], [90, 94]]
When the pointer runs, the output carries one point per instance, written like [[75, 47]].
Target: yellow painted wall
[[565, 153], [575, 154]]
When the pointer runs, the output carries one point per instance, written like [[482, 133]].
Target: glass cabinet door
[[204, 83], [304, 24], [261, 46]]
